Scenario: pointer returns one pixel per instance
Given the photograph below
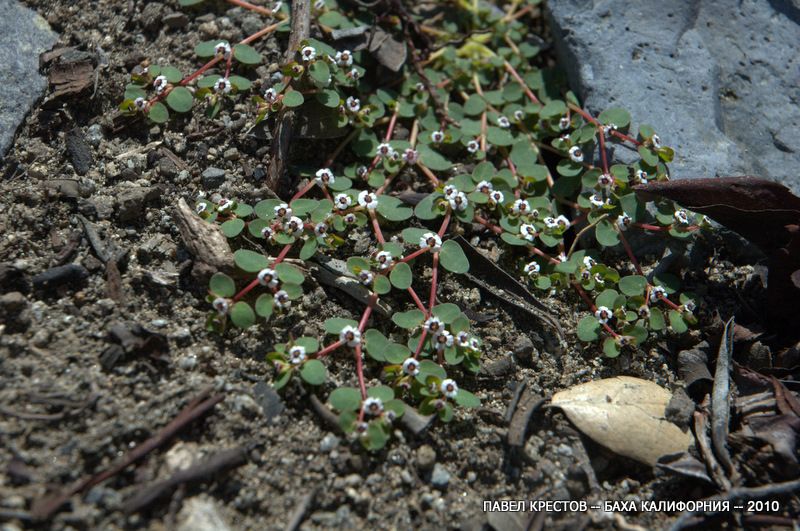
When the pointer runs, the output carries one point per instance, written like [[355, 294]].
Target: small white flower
[[344, 58], [656, 140], [437, 137], [419, 87], [519, 115], [521, 206], [656, 293], [325, 177], [365, 277], [350, 218], [589, 262], [226, 204], [443, 340], [689, 306], [473, 146], [268, 277], [449, 388], [410, 156], [297, 355], [485, 187], [373, 406], [384, 259], [319, 4], [597, 201], [267, 233], [221, 305], [564, 123], [350, 336], [603, 314], [462, 339], [283, 211], [432, 241], [308, 53], [459, 202], [643, 312], [353, 104], [562, 222], [474, 344], [528, 232], [270, 96], [642, 176], [368, 199], [160, 83], [449, 191], [562, 257], [294, 226], [201, 207], [550, 222], [434, 325], [411, 367], [222, 86], [608, 128], [681, 217], [353, 73], [599, 279], [624, 221], [496, 197], [277, 7], [140, 104], [605, 180], [223, 49], [532, 268], [503, 122], [321, 229], [385, 150], [343, 201], [576, 154]]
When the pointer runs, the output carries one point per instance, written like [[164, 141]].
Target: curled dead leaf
[[626, 415]]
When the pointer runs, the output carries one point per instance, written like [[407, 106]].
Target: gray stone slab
[[25, 36], [718, 79]]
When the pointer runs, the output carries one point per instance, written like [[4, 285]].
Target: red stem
[[628, 250], [421, 342], [376, 227], [304, 190], [392, 122], [415, 254], [330, 348], [251, 7], [516, 76], [434, 280], [603, 158], [360, 372], [417, 300]]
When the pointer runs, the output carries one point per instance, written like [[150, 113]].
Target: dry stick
[[44, 508], [206, 469], [282, 133], [720, 402], [704, 444]]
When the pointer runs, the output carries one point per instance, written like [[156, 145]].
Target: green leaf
[[222, 285], [657, 321], [430, 368], [187, 3], [610, 347], [401, 276], [357, 264], [381, 285], [334, 325], [668, 281], [314, 372], [474, 105], [232, 227], [308, 249], [242, 315], [433, 159], [244, 53], [393, 208], [632, 285], [552, 109], [607, 298], [466, 399], [427, 210], [376, 437], [383, 392], [499, 137], [396, 353], [588, 328], [408, 320], [206, 48], [289, 274], [453, 258], [375, 344], [241, 83], [265, 305], [180, 99], [320, 73], [293, 98], [172, 74], [158, 113], [676, 322], [606, 233], [648, 156], [617, 116], [250, 261], [447, 312], [345, 399], [208, 81], [329, 98]]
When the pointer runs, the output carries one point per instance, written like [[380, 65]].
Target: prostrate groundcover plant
[[491, 140]]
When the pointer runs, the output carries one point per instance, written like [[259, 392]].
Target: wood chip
[[203, 240]]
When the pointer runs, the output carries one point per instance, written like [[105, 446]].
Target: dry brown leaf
[[626, 415], [204, 240]]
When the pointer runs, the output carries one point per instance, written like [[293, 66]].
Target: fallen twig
[[721, 402], [45, 507]]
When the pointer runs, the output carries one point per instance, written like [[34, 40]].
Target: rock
[[12, 277], [80, 154], [167, 167], [94, 134], [152, 16], [523, 348], [73, 274], [680, 409], [176, 20], [440, 478], [328, 443], [14, 311], [26, 35], [722, 93], [213, 177], [426, 457], [133, 200], [269, 400], [200, 514]]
